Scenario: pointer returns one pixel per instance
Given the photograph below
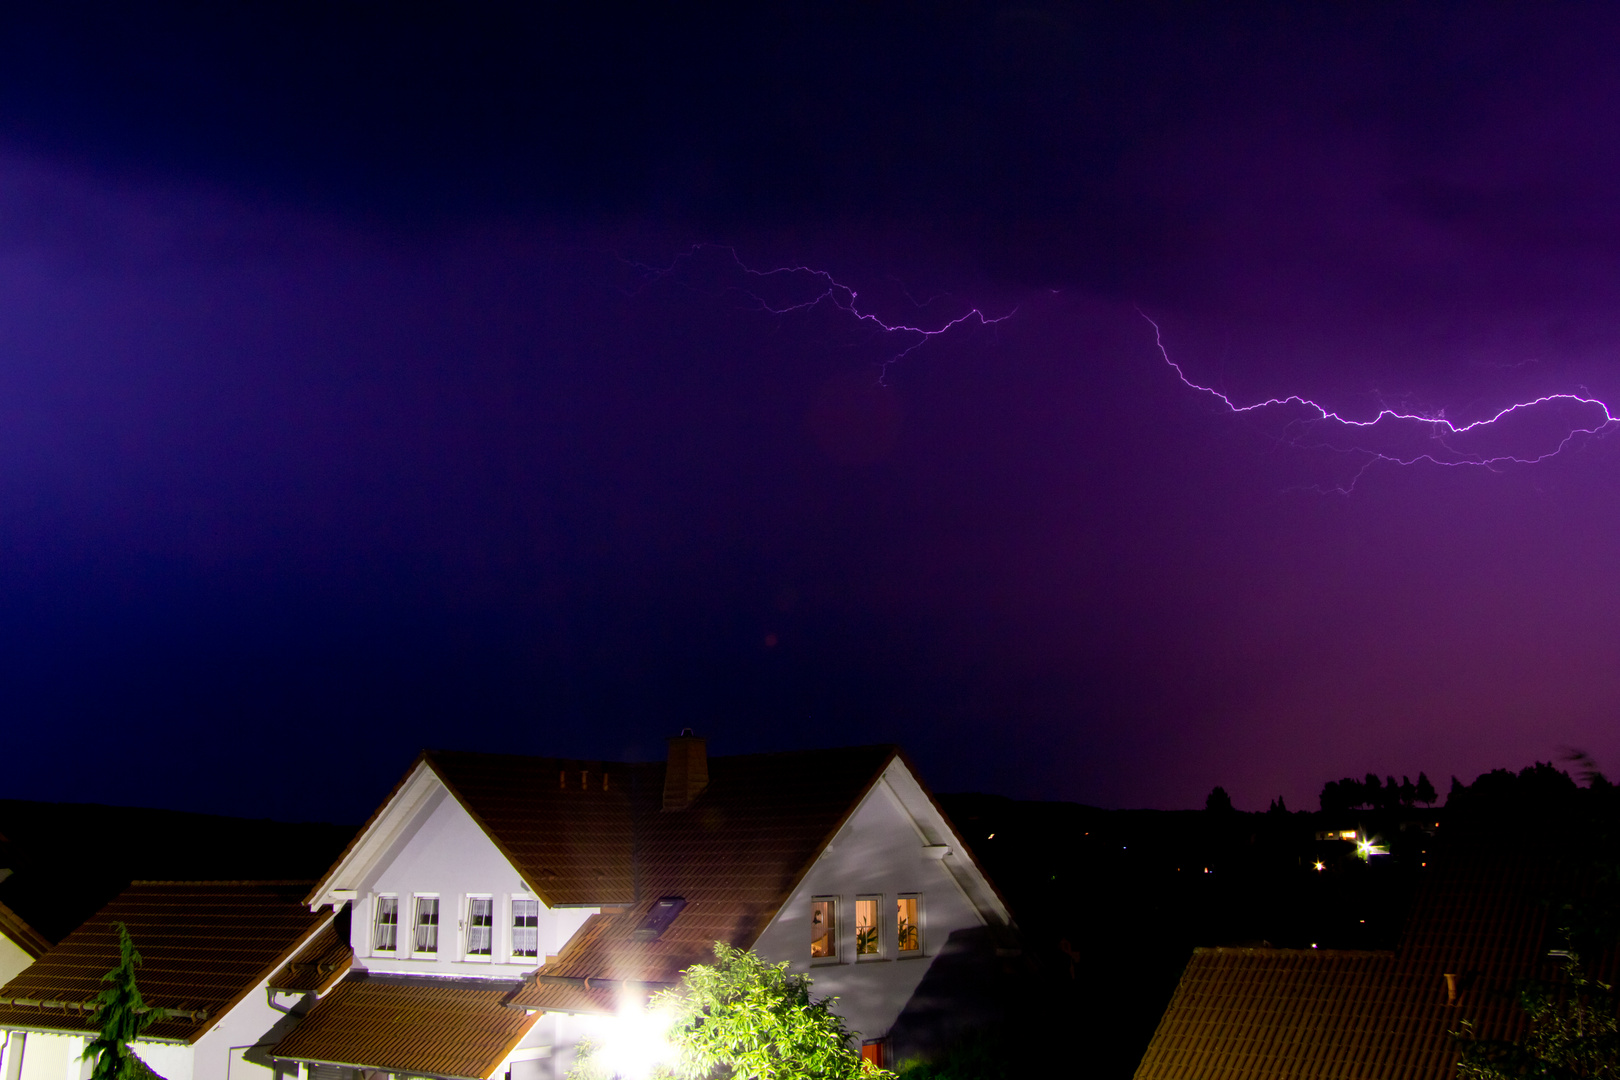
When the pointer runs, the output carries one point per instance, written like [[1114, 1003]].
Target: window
[[427, 925], [868, 937], [385, 932], [480, 925], [823, 928], [907, 928], [873, 1051], [525, 928], [658, 918]]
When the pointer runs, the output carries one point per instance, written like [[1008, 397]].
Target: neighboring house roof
[[456, 1028], [204, 946], [320, 963], [1302, 1014], [28, 939], [56, 883]]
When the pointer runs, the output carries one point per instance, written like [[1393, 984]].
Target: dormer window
[[658, 918]]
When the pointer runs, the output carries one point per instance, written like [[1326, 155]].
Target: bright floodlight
[[636, 1041]]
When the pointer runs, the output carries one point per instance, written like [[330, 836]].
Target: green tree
[[123, 1015], [1573, 1034], [746, 1019]]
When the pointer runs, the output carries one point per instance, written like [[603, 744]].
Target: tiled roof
[[323, 961], [1307, 1014], [734, 856], [28, 939], [566, 825], [418, 1025], [204, 945]]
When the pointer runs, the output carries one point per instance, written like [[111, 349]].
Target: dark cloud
[[362, 389]]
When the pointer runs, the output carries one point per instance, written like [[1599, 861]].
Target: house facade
[[508, 907]]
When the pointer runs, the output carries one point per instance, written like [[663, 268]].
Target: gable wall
[[879, 851], [13, 958], [444, 852]]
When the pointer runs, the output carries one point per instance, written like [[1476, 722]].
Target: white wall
[[13, 958], [443, 851], [879, 851], [248, 1025], [46, 1056]]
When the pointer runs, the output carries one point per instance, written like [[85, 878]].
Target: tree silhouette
[[1218, 801], [1424, 792]]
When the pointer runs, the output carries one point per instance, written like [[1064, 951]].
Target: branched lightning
[[809, 288], [1411, 438]]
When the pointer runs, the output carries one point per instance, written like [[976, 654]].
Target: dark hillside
[[61, 862]]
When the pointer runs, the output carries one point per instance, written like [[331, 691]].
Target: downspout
[[15, 1044]]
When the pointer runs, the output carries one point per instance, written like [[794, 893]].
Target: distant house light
[[658, 918]]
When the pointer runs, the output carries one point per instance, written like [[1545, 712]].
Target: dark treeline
[[1375, 794]]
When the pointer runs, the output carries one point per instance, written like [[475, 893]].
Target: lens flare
[[635, 1041]]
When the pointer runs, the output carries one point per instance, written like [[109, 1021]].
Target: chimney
[[1451, 987], [688, 771]]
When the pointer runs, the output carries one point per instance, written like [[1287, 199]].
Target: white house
[[215, 958], [504, 906]]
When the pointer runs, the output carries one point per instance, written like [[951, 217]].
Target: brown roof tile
[[1264, 1013], [735, 856], [320, 963], [28, 939], [566, 825], [417, 1025], [204, 946]]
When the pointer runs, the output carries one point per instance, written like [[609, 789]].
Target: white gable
[[425, 845], [896, 844]]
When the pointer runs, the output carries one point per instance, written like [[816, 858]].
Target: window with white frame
[[425, 940], [823, 928], [908, 925], [868, 931], [525, 927], [385, 925], [480, 926]]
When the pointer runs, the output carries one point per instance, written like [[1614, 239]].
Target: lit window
[[868, 941], [907, 928], [385, 935], [480, 925], [427, 925], [525, 928], [823, 928]]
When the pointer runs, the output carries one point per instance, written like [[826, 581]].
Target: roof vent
[[688, 771], [658, 918]]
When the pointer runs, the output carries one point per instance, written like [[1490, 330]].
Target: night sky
[[375, 377]]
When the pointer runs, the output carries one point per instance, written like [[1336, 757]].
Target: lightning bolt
[[1402, 437], [785, 290]]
